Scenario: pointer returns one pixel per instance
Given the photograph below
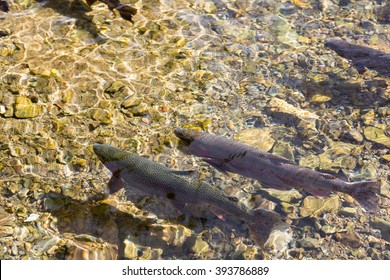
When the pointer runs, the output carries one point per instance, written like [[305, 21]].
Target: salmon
[[273, 171]]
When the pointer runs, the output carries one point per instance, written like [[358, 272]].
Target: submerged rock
[[350, 239], [314, 206], [196, 245], [283, 149], [309, 243], [25, 108], [377, 135], [91, 251], [114, 87], [383, 226], [255, 137], [131, 251], [101, 115], [278, 241], [283, 32], [287, 112]]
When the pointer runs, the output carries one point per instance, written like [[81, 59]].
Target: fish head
[[107, 153], [187, 136], [189, 139]]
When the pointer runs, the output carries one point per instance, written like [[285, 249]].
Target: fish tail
[[366, 193], [262, 223]]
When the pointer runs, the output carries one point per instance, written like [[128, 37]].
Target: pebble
[[377, 135], [347, 211], [196, 245], [283, 149], [101, 115], [328, 229], [282, 110], [350, 239], [114, 87], [309, 243], [314, 206], [25, 108], [255, 137], [290, 196], [131, 251], [383, 226]]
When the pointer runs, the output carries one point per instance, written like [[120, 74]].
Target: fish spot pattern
[[171, 196]]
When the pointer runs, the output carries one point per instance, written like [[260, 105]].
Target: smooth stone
[[311, 161], [25, 108], [210, 7], [285, 111], [309, 243], [196, 245], [350, 239], [283, 149], [314, 206], [131, 251], [320, 98], [101, 115], [138, 110], [114, 87], [386, 157], [31, 218], [287, 207], [278, 241], [352, 135], [283, 32], [383, 226], [53, 204], [347, 211], [259, 138], [328, 229], [90, 251], [46, 244], [151, 254], [290, 196], [132, 101], [377, 135]]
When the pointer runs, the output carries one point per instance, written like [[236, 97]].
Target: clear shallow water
[[258, 70]]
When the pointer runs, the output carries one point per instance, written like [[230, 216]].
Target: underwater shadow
[[100, 220], [76, 10], [341, 93]]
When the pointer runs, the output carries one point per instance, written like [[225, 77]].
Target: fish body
[[156, 179], [271, 170]]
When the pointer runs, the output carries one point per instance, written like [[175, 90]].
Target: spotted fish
[[131, 171], [271, 170]]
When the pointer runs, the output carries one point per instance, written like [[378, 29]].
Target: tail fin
[[366, 193], [263, 223]]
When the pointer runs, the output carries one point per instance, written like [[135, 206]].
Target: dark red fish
[[271, 170]]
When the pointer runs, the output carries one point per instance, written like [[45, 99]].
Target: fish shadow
[[77, 10], [101, 220], [344, 93]]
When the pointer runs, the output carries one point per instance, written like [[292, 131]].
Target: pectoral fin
[[216, 163], [116, 182], [219, 213]]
